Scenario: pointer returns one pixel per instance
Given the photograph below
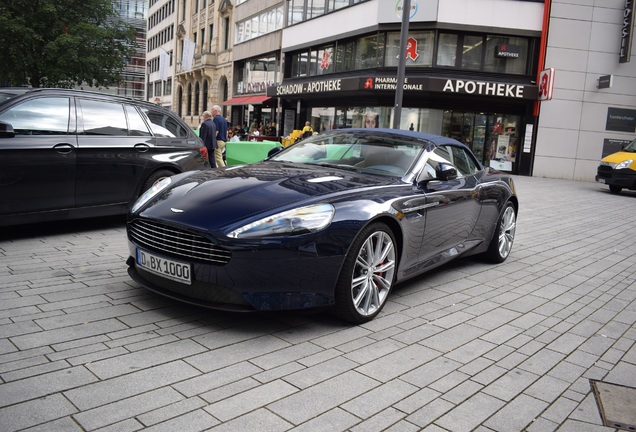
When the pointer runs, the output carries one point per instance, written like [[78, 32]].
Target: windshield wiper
[[337, 166]]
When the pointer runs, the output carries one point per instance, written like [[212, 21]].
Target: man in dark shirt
[[207, 133], [221, 135]]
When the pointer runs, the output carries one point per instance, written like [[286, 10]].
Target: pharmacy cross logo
[[324, 64], [411, 49]]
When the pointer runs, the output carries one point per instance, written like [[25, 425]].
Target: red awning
[[247, 100]]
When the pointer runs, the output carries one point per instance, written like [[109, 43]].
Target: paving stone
[[379, 422], [470, 414], [320, 398], [171, 411], [266, 421], [510, 384], [100, 393], [379, 399], [66, 334], [320, 372], [191, 422], [34, 412], [517, 415], [250, 400], [43, 385], [211, 380], [126, 408], [335, 420]]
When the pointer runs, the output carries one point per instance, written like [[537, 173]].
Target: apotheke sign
[[411, 85]]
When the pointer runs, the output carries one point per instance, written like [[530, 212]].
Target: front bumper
[[264, 280], [624, 178]]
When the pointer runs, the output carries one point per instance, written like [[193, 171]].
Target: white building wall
[[583, 44]]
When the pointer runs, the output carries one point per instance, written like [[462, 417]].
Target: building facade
[[470, 70], [161, 51], [474, 70], [593, 107], [133, 82], [203, 75]]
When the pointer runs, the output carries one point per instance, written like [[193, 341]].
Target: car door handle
[[142, 148], [63, 148]]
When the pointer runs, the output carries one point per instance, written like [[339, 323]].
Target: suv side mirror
[[6, 130]]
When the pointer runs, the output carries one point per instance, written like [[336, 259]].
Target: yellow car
[[618, 170]]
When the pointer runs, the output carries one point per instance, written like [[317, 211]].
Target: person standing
[[221, 135], [207, 133]]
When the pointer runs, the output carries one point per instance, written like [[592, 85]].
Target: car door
[[452, 205], [114, 147], [38, 164]]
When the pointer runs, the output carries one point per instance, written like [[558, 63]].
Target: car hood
[[619, 157], [219, 198]]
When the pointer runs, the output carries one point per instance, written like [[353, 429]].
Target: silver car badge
[[176, 210]]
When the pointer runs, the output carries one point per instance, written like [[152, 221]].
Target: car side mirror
[[6, 130], [445, 172], [274, 151]]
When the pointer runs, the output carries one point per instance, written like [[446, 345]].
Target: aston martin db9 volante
[[335, 221]]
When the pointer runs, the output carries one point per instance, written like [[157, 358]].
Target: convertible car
[[333, 221]]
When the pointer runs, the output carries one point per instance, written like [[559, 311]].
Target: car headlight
[[298, 221], [624, 164], [150, 193]]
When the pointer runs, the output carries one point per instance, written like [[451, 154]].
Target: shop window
[[472, 52], [295, 9], [315, 8], [337, 4], [368, 52], [419, 50], [321, 61], [344, 56], [300, 64], [506, 55], [196, 98], [447, 50]]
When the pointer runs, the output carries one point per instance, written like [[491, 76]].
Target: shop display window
[[419, 52]]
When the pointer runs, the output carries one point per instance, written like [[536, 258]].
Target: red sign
[[546, 84]]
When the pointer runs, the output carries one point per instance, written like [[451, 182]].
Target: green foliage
[[62, 43]]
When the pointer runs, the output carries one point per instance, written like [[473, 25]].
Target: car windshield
[[631, 147], [365, 152]]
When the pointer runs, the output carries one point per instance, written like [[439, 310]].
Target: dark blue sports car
[[335, 220]]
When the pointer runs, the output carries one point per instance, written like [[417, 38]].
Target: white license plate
[[175, 270]]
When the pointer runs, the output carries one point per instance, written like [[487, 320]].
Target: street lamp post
[[399, 89]]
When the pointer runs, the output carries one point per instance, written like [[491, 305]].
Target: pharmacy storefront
[[495, 119]]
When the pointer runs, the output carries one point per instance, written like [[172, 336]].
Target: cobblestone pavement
[[469, 346]]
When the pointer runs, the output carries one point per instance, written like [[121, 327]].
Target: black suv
[[68, 154]]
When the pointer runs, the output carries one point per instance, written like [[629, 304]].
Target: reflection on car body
[[334, 221]]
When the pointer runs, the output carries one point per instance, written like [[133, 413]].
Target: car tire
[[501, 243], [615, 189], [367, 275], [154, 178]]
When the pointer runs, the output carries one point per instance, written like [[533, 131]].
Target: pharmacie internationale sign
[[411, 85]]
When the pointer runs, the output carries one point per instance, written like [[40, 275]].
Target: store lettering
[[484, 88], [289, 89], [390, 83], [323, 86]]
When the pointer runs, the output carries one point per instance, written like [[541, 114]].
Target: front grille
[[159, 237], [604, 171]]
